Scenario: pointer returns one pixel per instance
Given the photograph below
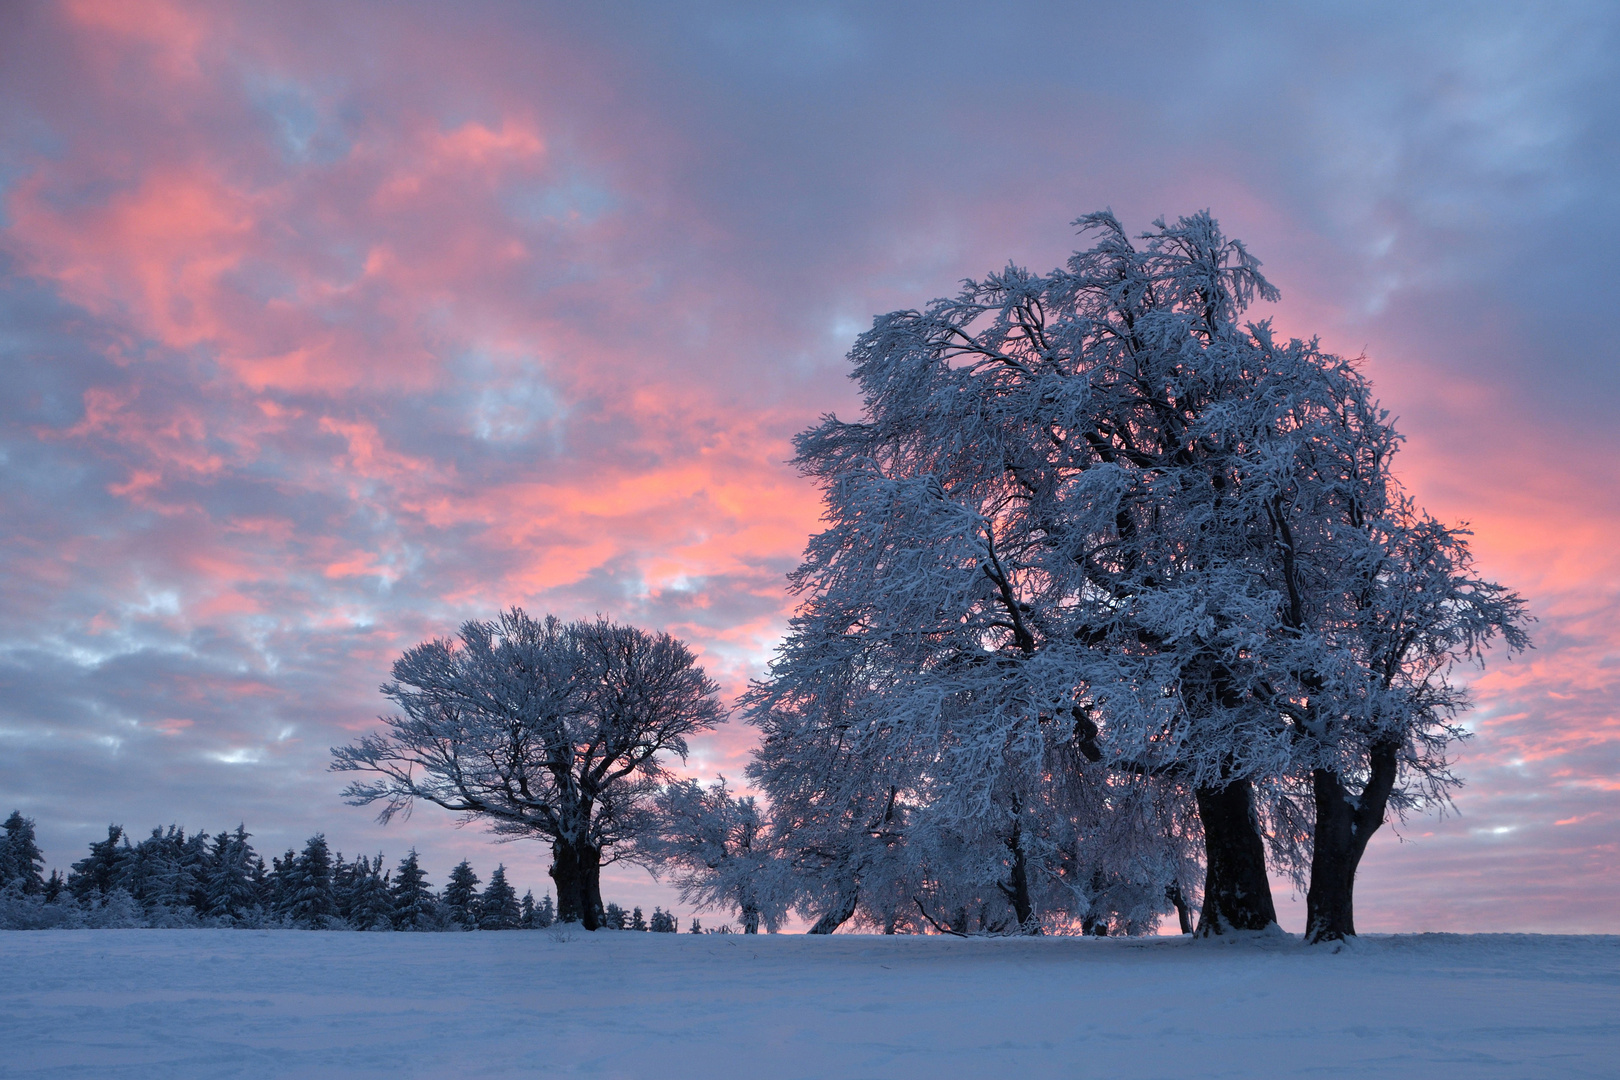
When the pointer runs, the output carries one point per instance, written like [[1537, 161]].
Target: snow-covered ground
[[183, 1004]]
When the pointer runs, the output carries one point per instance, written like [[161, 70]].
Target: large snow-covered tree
[[1096, 547], [559, 731]]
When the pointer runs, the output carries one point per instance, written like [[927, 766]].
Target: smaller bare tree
[[539, 728]]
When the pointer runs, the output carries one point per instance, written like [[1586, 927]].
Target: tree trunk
[[1017, 890], [750, 920], [1344, 824], [1237, 893], [837, 915], [1173, 893], [577, 871]]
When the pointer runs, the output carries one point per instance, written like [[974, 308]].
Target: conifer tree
[[545, 913], [21, 861], [526, 911], [461, 896], [279, 883], [311, 900], [413, 904], [370, 905], [637, 920], [229, 882], [498, 909], [662, 921], [94, 873]]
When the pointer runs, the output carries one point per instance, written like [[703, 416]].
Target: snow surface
[[183, 1004]]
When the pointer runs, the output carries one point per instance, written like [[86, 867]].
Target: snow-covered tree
[[461, 896], [498, 908], [228, 883], [541, 728], [370, 905], [1028, 559], [715, 848], [308, 897], [638, 921], [94, 873], [662, 922], [545, 912], [21, 861], [1414, 608], [1096, 553], [414, 907]]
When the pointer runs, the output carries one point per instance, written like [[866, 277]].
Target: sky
[[324, 328]]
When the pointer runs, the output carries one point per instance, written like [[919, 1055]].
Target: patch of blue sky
[[508, 399], [306, 129], [575, 200]]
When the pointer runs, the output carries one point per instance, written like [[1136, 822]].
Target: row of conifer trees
[[172, 879]]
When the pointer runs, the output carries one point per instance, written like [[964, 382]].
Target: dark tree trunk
[[840, 912], [750, 920], [1344, 824], [1173, 893], [1237, 893], [577, 872], [1094, 921], [1017, 888]]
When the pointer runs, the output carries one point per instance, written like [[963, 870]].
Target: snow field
[[185, 1004]]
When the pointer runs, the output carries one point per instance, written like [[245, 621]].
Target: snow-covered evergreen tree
[[526, 911], [21, 861], [498, 908], [545, 913], [638, 921], [310, 900], [232, 894], [615, 917], [414, 906], [94, 873], [370, 905], [662, 922], [461, 896]]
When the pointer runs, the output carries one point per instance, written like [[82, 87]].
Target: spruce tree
[[311, 902], [662, 922], [637, 921], [21, 861], [498, 909], [94, 873], [413, 903], [370, 905], [229, 879], [614, 917], [526, 910], [461, 895], [344, 876], [545, 913]]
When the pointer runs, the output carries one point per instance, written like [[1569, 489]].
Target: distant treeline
[[171, 879]]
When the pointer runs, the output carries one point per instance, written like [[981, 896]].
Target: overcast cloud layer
[[322, 330]]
